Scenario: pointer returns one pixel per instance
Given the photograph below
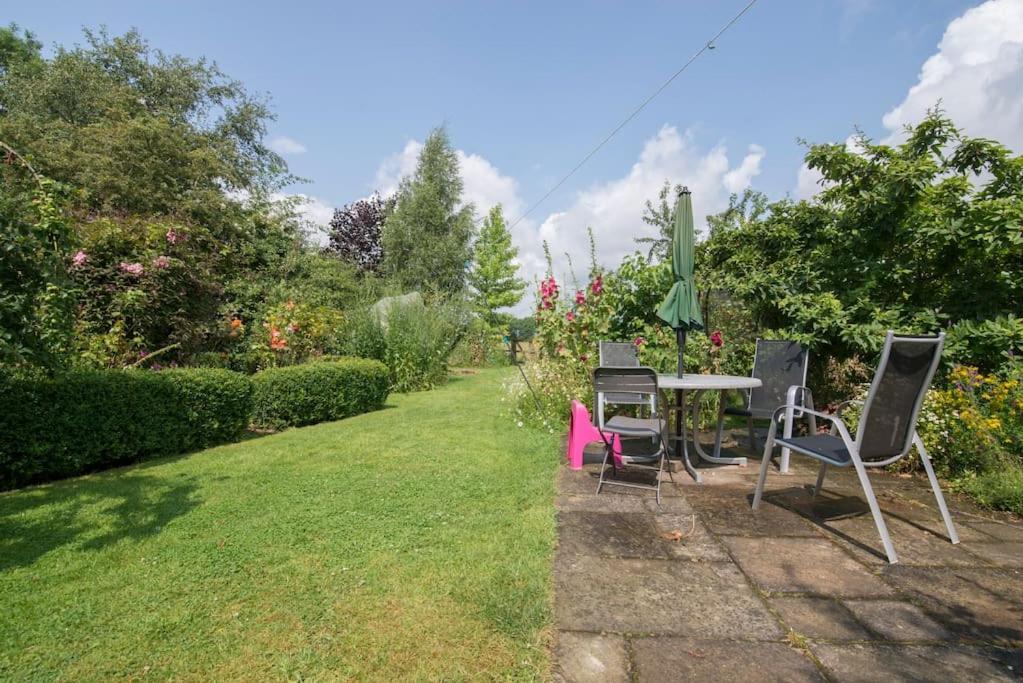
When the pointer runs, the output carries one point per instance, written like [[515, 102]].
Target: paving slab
[[884, 663], [590, 657], [727, 512], [819, 618], [683, 659], [913, 545], [610, 500], [584, 482], [804, 565], [997, 530], [696, 543], [899, 621], [984, 604], [1002, 553], [696, 599], [615, 534]]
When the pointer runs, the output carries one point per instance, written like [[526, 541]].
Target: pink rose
[[79, 259], [716, 339], [161, 262], [584, 357], [135, 269], [639, 341], [173, 237]]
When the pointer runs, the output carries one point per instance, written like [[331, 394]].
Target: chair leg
[[660, 470], [820, 479], [603, 467], [752, 434], [764, 464], [882, 528], [926, 459]]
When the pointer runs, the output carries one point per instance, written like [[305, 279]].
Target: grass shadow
[[90, 513]]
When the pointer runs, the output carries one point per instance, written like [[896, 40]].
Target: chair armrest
[[799, 395], [833, 418]]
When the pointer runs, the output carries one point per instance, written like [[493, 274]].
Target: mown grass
[[410, 543]]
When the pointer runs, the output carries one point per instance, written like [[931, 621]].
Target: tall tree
[[493, 275], [355, 232], [427, 238], [136, 129], [660, 217]]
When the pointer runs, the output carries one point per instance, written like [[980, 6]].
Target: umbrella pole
[[681, 336]]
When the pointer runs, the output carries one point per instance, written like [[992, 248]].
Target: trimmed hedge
[[84, 421], [318, 392]]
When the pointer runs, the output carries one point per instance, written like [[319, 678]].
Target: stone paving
[[798, 591]]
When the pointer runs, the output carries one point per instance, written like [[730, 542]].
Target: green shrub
[[419, 339], [52, 427], [318, 392]]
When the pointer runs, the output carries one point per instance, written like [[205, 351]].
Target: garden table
[[698, 384]]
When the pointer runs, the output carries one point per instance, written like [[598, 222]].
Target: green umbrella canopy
[[680, 308]]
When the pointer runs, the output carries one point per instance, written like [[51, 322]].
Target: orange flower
[[235, 323], [277, 340]]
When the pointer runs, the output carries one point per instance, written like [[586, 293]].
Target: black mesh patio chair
[[781, 365], [619, 355], [886, 431], [644, 443]]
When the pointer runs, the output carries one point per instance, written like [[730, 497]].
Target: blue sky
[[526, 88]]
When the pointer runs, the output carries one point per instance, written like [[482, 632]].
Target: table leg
[[716, 458], [681, 445]]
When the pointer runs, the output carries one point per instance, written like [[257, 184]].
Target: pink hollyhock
[[135, 269], [597, 286], [716, 339], [79, 259], [570, 316], [161, 262], [580, 297]]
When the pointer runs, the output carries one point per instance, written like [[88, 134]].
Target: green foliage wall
[[318, 392], [78, 422], [917, 237]]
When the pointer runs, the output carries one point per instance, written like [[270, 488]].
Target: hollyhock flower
[[79, 259], [580, 297], [135, 269], [161, 262], [597, 286], [716, 339], [570, 316]]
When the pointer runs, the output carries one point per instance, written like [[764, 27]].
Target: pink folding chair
[[581, 432]]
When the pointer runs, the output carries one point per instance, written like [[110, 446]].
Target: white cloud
[[739, 179], [396, 167], [314, 211], [285, 145], [613, 209], [977, 73]]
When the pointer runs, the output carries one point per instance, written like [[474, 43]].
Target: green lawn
[[414, 542]]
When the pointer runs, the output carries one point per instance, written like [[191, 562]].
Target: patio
[[800, 590]]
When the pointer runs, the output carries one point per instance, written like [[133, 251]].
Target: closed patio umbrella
[[680, 308]]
